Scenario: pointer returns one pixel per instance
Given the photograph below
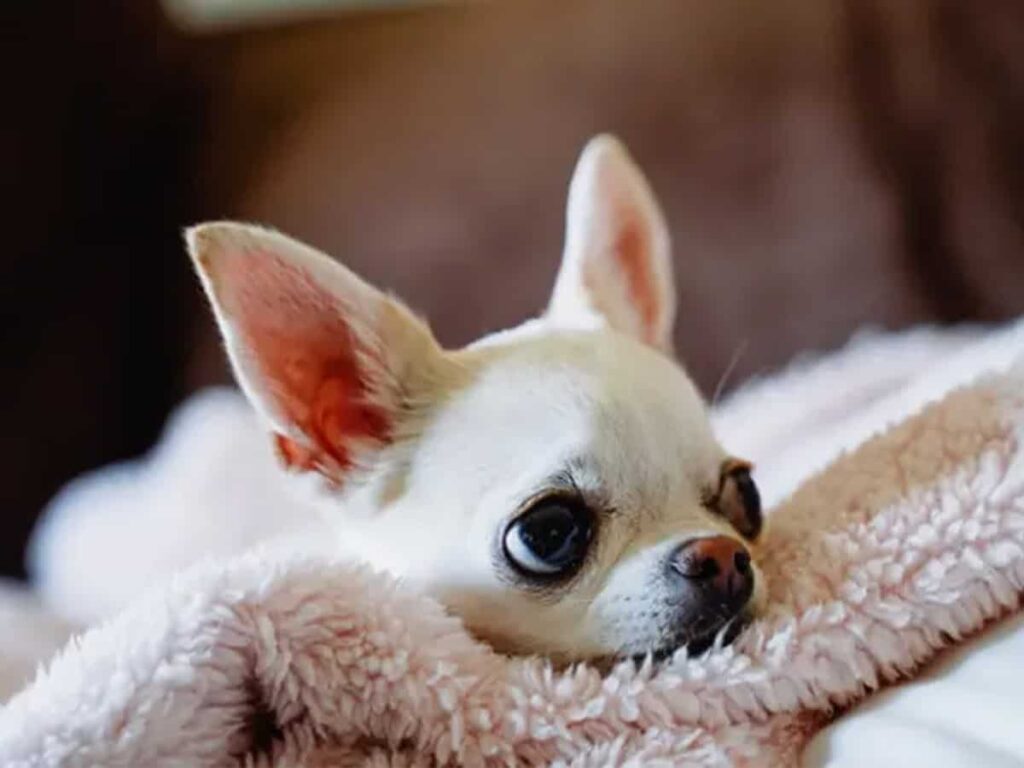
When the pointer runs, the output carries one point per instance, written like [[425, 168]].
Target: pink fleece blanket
[[876, 563]]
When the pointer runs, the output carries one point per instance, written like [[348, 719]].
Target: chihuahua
[[557, 485]]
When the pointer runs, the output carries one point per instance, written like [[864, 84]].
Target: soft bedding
[[877, 558], [963, 711]]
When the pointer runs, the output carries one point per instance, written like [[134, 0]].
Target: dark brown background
[[824, 164]]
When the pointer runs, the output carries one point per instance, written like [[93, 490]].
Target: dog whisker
[[724, 378]]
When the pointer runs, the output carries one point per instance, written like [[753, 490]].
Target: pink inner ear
[[633, 249], [632, 253], [295, 333]]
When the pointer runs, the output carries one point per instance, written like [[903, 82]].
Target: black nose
[[718, 566]]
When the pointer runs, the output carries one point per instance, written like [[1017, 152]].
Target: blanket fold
[[892, 552]]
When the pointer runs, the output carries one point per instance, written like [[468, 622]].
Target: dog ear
[[333, 364], [616, 269]]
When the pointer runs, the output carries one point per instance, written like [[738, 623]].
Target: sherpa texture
[[29, 632], [889, 554]]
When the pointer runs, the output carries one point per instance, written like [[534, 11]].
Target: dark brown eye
[[549, 539], [738, 500]]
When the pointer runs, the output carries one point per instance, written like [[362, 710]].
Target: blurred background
[[824, 165]]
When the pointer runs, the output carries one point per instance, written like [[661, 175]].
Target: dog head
[[556, 485]]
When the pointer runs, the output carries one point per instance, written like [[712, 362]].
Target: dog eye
[[738, 500], [550, 538]]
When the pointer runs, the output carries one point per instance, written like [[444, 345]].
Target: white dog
[[556, 485]]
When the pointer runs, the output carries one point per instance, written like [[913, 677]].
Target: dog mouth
[[698, 641]]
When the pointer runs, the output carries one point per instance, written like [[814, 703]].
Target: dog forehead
[[570, 375], [548, 399]]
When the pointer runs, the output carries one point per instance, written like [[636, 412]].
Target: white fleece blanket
[[883, 557]]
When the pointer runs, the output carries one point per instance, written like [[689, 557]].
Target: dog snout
[[717, 565]]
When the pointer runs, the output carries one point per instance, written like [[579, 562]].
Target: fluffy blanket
[[881, 557]]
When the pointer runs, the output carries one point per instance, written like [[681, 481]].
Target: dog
[[556, 485]]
